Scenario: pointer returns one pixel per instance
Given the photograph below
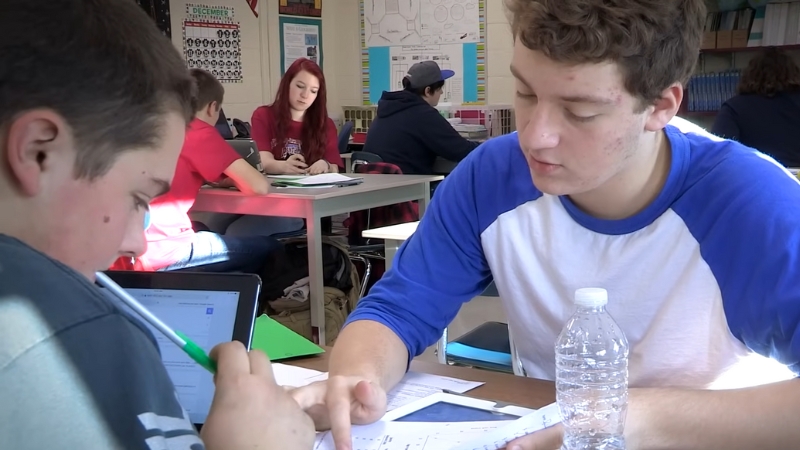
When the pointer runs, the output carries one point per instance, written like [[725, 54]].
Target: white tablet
[[445, 407]]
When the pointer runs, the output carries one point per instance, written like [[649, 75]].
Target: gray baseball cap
[[425, 73]]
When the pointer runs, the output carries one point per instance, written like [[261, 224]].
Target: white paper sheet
[[420, 385], [410, 435], [443, 436]]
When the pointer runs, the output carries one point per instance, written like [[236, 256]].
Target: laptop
[[209, 308], [247, 149]]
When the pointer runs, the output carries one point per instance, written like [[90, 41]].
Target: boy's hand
[[250, 411]]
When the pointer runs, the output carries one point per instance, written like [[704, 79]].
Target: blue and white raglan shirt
[[705, 282]]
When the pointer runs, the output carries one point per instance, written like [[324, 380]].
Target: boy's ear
[[665, 107]]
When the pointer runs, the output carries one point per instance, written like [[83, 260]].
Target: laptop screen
[[208, 308], [207, 318]]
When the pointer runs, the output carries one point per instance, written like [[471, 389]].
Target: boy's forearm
[[764, 417]]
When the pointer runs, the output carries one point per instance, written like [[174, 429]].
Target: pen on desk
[[193, 350]]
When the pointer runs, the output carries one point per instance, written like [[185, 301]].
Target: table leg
[[426, 198], [315, 280], [390, 249]]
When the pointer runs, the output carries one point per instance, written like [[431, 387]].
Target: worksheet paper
[[413, 386], [444, 436]]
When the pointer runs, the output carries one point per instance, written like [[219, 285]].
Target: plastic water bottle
[[592, 375]]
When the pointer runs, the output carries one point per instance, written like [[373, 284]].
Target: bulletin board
[[396, 35], [300, 38]]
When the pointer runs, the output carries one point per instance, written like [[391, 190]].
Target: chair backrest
[[380, 216], [344, 136], [359, 158]]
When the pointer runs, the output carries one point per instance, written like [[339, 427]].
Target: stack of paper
[[324, 179]]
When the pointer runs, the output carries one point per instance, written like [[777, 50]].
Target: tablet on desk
[[445, 407]]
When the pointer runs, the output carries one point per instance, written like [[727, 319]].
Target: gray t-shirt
[[76, 372]]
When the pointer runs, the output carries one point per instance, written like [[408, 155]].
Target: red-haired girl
[[294, 133]]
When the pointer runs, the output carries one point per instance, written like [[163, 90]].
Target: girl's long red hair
[[315, 118]]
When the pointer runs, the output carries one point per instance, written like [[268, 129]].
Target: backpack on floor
[[341, 281]]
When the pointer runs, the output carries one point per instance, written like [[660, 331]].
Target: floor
[[472, 314]]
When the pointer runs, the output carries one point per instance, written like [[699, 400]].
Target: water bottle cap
[[591, 297]]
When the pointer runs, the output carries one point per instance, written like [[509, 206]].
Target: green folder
[[279, 342]]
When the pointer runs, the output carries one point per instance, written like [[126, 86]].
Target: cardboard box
[[709, 40], [739, 38], [724, 39]]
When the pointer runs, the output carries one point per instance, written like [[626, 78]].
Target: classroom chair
[[488, 346], [372, 250], [344, 136], [359, 158]]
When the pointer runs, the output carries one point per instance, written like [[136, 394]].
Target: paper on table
[[410, 435], [323, 178], [293, 376], [444, 435], [527, 424], [286, 177], [420, 385], [279, 342]]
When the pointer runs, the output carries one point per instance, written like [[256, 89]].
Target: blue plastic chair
[[344, 136]]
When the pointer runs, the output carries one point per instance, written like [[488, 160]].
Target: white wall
[[261, 53], [499, 45]]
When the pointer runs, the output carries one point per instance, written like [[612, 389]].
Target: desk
[[502, 387], [313, 204], [393, 237]]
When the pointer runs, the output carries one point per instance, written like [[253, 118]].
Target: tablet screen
[[449, 412]]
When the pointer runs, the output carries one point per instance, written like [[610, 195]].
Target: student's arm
[[246, 178], [726, 124], [98, 384], [294, 165], [441, 138], [435, 272]]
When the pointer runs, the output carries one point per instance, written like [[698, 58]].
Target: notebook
[[209, 308]]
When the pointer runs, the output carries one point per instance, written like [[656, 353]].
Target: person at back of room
[[94, 104], [409, 132], [765, 113], [294, 133], [172, 243]]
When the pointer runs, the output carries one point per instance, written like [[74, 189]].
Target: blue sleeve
[[749, 235], [438, 269]]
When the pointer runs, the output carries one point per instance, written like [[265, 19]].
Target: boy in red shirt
[[172, 243]]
